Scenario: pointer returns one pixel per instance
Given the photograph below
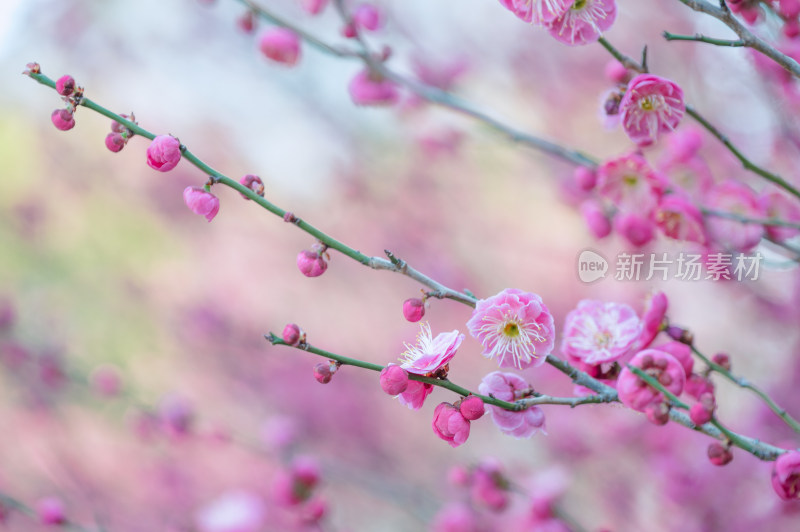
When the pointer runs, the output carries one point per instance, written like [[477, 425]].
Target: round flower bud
[[368, 17], [394, 379], [472, 408], [323, 373], [718, 454], [51, 511], [115, 142], [164, 153], [311, 264], [65, 85], [413, 309], [201, 202], [723, 360], [63, 119], [786, 476], [281, 45], [291, 334], [254, 183]]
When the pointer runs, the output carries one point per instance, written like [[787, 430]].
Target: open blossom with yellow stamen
[[514, 327], [597, 332], [430, 354]]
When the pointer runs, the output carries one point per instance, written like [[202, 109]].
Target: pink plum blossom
[[164, 153], [651, 106], [430, 354], [630, 183], [653, 318], [736, 198], [540, 12], [282, 45], [450, 425], [201, 202], [681, 352], [583, 22], [635, 393], [597, 332], [679, 218], [415, 394], [490, 487], [515, 327], [510, 387], [368, 88], [786, 476]]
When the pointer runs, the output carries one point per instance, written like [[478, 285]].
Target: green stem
[[747, 220], [744, 383], [657, 385], [702, 38]]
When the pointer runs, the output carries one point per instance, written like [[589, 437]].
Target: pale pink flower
[[539, 12], [635, 393], [415, 394], [430, 354], [736, 198], [372, 89], [510, 387], [786, 476], [515, 327], [233, 511], [282, 45], [164, 153], [597, 332], [651, 106], [583, 22], [630, 183], [653, 318], [201, 202], [679, 218], [777, 206], [450, 425]]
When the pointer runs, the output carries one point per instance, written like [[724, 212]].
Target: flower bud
[[63, 119], [786, 476], [247, 22], [323, 372], [51, 511], [394, 379], [281, 45], [115, 142], [657, 413], [413, 309], [201, 202], [164, 153], [722, 359], [718, 454], [367, 88], [472, 408], [65, 85], [291, 334], [254, 183], [311, 264], [702, 411], [368, 17]]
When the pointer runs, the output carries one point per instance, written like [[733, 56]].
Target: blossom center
[[579, 4], [602, 339], [630, 179], [511, 329]]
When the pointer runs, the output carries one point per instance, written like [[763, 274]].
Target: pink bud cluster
[[64, 119], [120, 134]]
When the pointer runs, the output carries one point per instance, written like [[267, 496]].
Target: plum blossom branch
[[431, 94], [702, 38], [750, 40], [744, 383], [747, 220], [713, 428], [376, 263], [747, 164]]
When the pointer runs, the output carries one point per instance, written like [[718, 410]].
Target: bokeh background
[[102, 264]]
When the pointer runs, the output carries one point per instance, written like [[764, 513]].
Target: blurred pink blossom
[[583, 22], [510, 387], [597, 332]]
